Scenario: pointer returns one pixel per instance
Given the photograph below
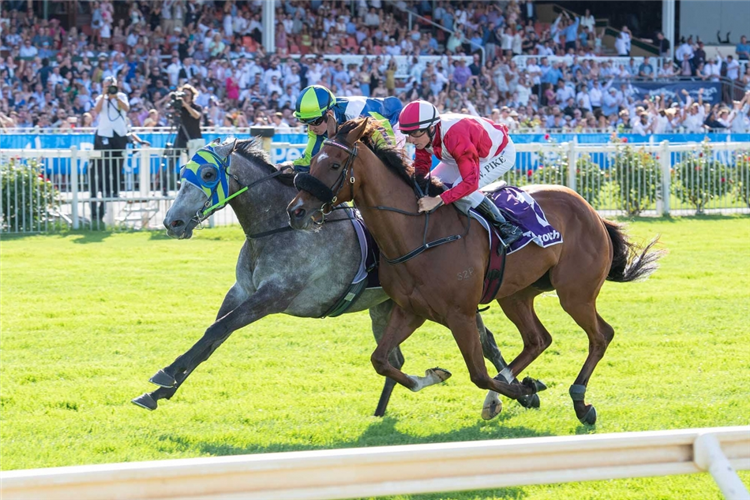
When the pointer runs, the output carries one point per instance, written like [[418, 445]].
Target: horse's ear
[[332, 126], [357, 132], [225, 149]]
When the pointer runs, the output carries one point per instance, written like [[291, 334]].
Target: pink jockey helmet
[[418, 115]]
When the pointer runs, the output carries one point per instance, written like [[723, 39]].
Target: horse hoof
[[441, 373], [162, 379], [529, 401], [536, 385], [492, 406], [590, 417], [145, 401]]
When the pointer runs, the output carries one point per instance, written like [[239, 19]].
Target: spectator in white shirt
[[588, 21], [695, 114], [712, 69], [28, 51], [733, 68], [583, 99], [683, 49], [173, 71], [641, 125], [622, 43]]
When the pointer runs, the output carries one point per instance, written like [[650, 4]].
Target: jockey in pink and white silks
[[473, 153]]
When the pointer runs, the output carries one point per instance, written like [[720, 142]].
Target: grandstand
[[535, 66]]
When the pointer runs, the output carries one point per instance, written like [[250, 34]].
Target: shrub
[[553, 169], [635, 174], [742, 177], [27, 196], [699, 178]]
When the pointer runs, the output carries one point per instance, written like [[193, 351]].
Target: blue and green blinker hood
[[217, 189]]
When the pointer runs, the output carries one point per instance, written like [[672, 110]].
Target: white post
[[74, 185], [269, 26], [668, 23], [144, 174], [666, 177], [572, 160], [708, 456]]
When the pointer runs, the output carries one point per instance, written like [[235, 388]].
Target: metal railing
[[52, 190]]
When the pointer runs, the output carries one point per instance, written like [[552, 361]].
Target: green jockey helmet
[[313, 102]]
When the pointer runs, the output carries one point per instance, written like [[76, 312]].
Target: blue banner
[[673, 90]]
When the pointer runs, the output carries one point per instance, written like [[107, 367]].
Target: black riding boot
[[508, 232]]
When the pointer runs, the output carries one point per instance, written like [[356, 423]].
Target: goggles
[[416, 133], [315, 121]]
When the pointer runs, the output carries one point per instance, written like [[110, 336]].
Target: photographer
[[111, 138], [185, 115]]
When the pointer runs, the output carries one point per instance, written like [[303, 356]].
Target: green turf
[[87, 318]]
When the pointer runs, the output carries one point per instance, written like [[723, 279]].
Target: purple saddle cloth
[[523, 211]]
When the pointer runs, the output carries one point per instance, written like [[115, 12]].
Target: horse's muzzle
[[300, 217], [177, 228]]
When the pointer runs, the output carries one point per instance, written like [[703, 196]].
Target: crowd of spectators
[[50, 76]]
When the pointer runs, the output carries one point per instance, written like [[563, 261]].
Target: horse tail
[[630, 261]]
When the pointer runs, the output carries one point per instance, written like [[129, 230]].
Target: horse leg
[[401, 325], [465, 333], [600, 335], [266, 300], [379, 315], [492, 405], [234, 297]]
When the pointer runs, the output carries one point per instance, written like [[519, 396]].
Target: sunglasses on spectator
[[315, 121]]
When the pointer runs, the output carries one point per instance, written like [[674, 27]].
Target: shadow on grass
[[382, 432], [77, 235]]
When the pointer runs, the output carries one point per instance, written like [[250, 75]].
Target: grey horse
[[299, 273]]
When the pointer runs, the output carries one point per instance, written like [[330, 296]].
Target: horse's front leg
[[266, 300], [400, 326]]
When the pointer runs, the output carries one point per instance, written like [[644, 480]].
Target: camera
[[112, 90], [176, 100]]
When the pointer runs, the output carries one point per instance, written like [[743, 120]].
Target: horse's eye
[[335, 166], [208, 174]]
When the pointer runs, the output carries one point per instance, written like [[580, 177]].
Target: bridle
[[329, 195]]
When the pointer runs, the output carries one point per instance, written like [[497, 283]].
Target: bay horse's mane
[[250, 149], [393, 158]]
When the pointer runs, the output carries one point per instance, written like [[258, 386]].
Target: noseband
[[329, 195]]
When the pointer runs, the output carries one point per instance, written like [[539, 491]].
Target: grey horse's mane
[[250, 149]]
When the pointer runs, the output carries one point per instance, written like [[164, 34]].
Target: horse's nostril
[[176, 223], [299, 213]]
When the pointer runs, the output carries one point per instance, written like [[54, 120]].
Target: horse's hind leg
[[600, 335], [401, 325], [379, 315], [519, 308]]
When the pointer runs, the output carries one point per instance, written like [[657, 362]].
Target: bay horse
[[444, 283], [280, 270]]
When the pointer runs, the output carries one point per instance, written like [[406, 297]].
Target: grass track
[[87, 318]]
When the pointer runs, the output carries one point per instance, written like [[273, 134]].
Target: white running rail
[[393, 470]]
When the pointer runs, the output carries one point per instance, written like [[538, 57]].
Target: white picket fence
[[395, 470], [51, 189]]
